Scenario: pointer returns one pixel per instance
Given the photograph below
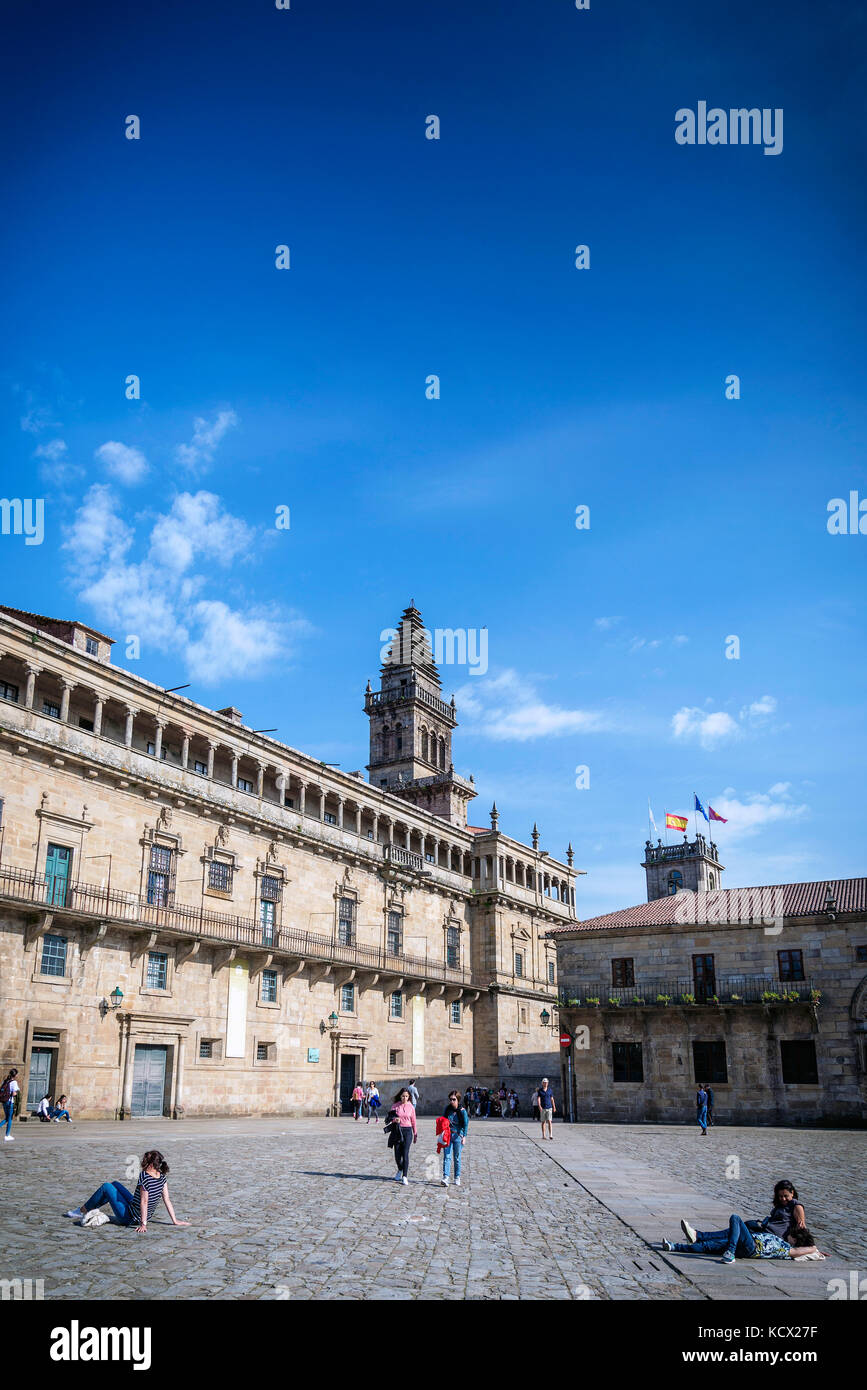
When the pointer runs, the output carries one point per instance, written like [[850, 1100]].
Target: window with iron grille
[[456, 1011], [269, 986], [91, 646], [206, 1048], [791, 965], [160, 876], [551, 972], [709, 1061], [9, 691], [799, 1063], [158, 970], [453, 947], [628, 1065], [262, 1051], [53, 955], [623, 972], [519, 964], [270, 888], [220, 876], [395, 933], [347, 999], [346, 921], [397, 1004]]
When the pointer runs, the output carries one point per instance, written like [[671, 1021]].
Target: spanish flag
[[675, 822]]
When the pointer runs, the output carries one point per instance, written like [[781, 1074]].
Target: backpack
[[6, 1091]]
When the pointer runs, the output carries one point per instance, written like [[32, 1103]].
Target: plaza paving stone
[[308, 1209]]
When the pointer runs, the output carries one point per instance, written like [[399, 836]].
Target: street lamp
[[116, 997], [333, 1019], [545, 1017]]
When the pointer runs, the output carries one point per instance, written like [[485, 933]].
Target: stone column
[[128, 1067], [98, 707], [64, 701], [158, 739], [358, 820], [390, 831], [131, 713], [185, 750], [340, 813], [322, 805], [302, 799], [408, 837], [32, 673], [281, 787], [260, 779], [211, 751], [375, 829], [234, 768], [179, 1078]]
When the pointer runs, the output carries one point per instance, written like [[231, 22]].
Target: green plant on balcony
[[792, 996], [770, 996], [637, 999], [687, 999], [593, 1000], [735, 998], [574, 1003], [615, 1003], [815, 996], [714, 999], [663, 998]]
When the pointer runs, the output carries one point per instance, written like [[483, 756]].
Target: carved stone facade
[[198, 919]]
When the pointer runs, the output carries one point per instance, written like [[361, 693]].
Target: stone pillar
[[64, 701], [281, 787], [97, 716], [158, 739], [376, 829], [32, 673], [234, 768], [302, 799], [260, 779], [322, 805], [358, 820], [128, 1067], [408, 838], [340, 813], [211, 751], [185, 750], [179, 1078], [131, 713]]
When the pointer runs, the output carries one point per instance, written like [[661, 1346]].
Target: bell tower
[[693, 867], [411, 726]]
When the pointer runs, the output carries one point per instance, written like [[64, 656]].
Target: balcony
[[80, 903], [404, 859], [735, 990], [375, 699]]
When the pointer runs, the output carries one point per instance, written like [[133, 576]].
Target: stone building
[[761, 992], [198, 919]]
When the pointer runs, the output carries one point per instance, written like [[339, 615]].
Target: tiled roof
[[478, 829], [44, 618], [732, 905]]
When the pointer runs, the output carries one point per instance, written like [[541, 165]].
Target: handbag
[[94, 1218]]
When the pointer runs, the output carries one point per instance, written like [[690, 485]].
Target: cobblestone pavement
[[307, 1209], [828, 1167]]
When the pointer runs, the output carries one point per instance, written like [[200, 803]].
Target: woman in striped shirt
[[131, 1208]]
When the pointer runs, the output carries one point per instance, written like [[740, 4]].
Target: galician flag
[[714, 816], [675, 822], [699, 807]]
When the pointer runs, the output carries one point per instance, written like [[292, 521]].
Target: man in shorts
[[546, 1108]]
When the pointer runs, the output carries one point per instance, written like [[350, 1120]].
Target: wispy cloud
[[604, 624], [508, 707], [122, 462], [712, 727], [752, 812], [199, 453]]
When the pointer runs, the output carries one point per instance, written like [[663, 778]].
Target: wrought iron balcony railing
[[726, 989]]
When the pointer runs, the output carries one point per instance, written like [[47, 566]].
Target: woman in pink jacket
[[403, 1112]]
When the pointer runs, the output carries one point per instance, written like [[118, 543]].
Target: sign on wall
[[313, 1054], [236, 1014]]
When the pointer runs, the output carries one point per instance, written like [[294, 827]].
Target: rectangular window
[[346, 921], [9, 692], [704, 978], [347, 999], [709, 1061], [791, 965], [623, 972], [262, 1051], [200, 767], [330, 818], [244, 784], [220, 876], [158, 970], [456, 1011], [270, 888], [551, 972], [53, 955], [519, 964], [206, 1048], [159, 876], [456, 1061], [397, 1004], [799, 1063], [269, 987], [861, 953], [91, 646], [453, 947], [266, 922], [627, 1061], [395, 1057], [50, 708], [395, 933]]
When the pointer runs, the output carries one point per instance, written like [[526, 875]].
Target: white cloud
[[52, 451], [507, 707], [122, 462], [200, 451], [680, 640], [606, 623], [709, 729], [160, 599], [755, 810], [759, 709]]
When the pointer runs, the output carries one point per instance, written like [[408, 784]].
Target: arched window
[[675, 881]]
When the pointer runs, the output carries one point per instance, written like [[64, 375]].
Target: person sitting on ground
[[738, 1241], [43, 1110], [132, 1209], [786, 1218], [59, 1111]]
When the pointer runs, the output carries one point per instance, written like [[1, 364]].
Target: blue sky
[[410, 257]]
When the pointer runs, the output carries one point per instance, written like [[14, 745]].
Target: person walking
[[534, 1103], [357, 1101], [459, 1123], [132, 1208], [402, 1131], [8, 1091], [373, 1103], [709, 1104], [701, 1108], [547, 1108], [413, 1095]]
